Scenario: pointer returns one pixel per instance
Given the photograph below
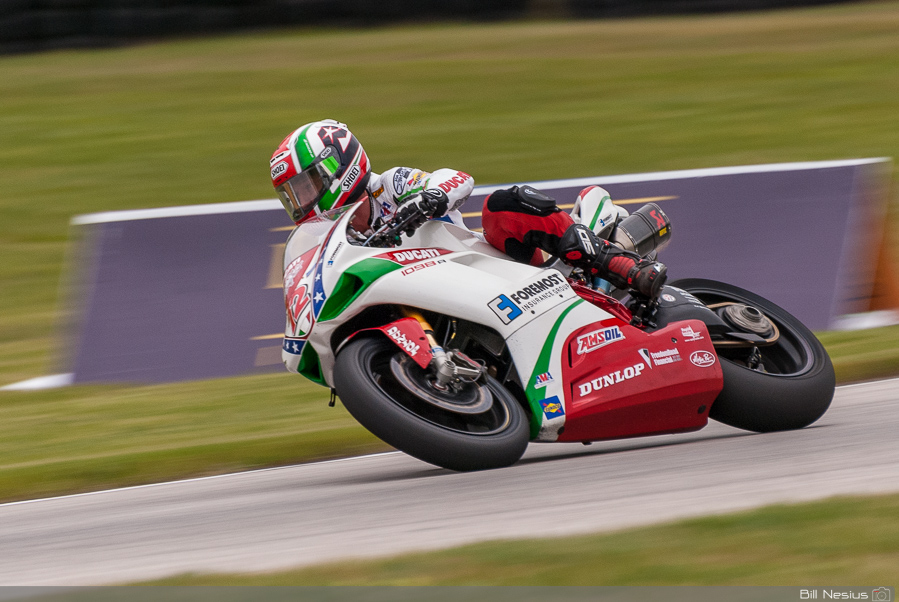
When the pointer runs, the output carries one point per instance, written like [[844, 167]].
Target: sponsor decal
[[552, 407], [279, 169], [293, 346], [505, 309], [608, 380], [420, 266], [598, 338], [399, 179], [297, 294], [416, 179], [407, 256], [509, 307], [669, 298], [293, 270], [454, 182], [378, 192], [691, 335], [385, 209], [350, 178], [299, 311], [540, 290], [703, 359], [334, 254], [326, 153], [543, 380], [400, 339], [411, 255], [660, 358]]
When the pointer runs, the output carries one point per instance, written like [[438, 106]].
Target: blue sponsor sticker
[[505, 309], [552, 407]]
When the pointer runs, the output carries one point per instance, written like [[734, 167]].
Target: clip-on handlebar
[[407, 220]]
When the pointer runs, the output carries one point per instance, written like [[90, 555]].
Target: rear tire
[[392, 411], [797, 387]]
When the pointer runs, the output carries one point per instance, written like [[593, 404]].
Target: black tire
[[797, 387], [494, 438]]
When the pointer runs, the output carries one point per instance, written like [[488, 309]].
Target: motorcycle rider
[[321, 166]]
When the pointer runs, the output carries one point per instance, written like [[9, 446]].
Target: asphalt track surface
[[391, 503]]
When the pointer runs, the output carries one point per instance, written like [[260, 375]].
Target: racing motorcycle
[[446, 349]]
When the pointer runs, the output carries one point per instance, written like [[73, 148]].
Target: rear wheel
[[472, 426], [787, 384]]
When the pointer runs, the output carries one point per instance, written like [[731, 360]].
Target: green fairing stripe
[[599, 210], [352, 283], [310, 366], [534, 395]]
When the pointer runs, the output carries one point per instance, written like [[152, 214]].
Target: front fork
[[448, 366]]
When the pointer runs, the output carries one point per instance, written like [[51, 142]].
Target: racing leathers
[[520, 221], [446, 189]]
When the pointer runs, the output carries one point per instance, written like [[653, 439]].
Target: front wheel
[[476, 427], [788, 384]]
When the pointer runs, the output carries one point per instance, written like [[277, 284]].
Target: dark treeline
[[34, 25]]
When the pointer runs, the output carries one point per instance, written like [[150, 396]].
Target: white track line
[[196, 479], [272, 204]]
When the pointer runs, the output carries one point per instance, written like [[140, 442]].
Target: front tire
[[491, 433], [796, 383]]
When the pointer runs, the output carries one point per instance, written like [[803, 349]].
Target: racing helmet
[[319, 167]]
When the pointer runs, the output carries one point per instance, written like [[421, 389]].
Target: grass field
[[840, 542], [195, 122]]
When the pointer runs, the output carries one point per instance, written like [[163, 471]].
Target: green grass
[[90, 438], [195, 122], [863, 354], [840, 542]]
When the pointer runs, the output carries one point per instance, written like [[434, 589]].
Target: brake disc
[[465, 397]]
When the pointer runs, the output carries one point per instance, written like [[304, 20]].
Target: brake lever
[[392, 229]]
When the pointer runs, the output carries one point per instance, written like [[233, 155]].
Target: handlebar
[[407, 220]]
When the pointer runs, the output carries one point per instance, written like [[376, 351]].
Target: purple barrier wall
[[194, 292]]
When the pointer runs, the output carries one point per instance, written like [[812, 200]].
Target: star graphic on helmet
[[327, 133]]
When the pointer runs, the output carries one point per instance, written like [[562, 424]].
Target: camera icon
[[881, 594]]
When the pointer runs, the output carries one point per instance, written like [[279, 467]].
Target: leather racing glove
[[581, 248]]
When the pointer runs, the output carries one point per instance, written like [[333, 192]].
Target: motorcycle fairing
[[639, 383], [344, 279], [538, 350], [409, 336]]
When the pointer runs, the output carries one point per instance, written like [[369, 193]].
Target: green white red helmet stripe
[[301, 150], [334, 167]]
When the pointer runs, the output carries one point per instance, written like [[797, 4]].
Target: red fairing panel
[[409, 336], [624, 382]]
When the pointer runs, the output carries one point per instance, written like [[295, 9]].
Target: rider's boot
[[581, 248]]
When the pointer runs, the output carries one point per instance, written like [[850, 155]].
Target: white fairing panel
[[441, 268]]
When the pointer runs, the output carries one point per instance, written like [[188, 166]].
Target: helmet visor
[[301, 193]]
